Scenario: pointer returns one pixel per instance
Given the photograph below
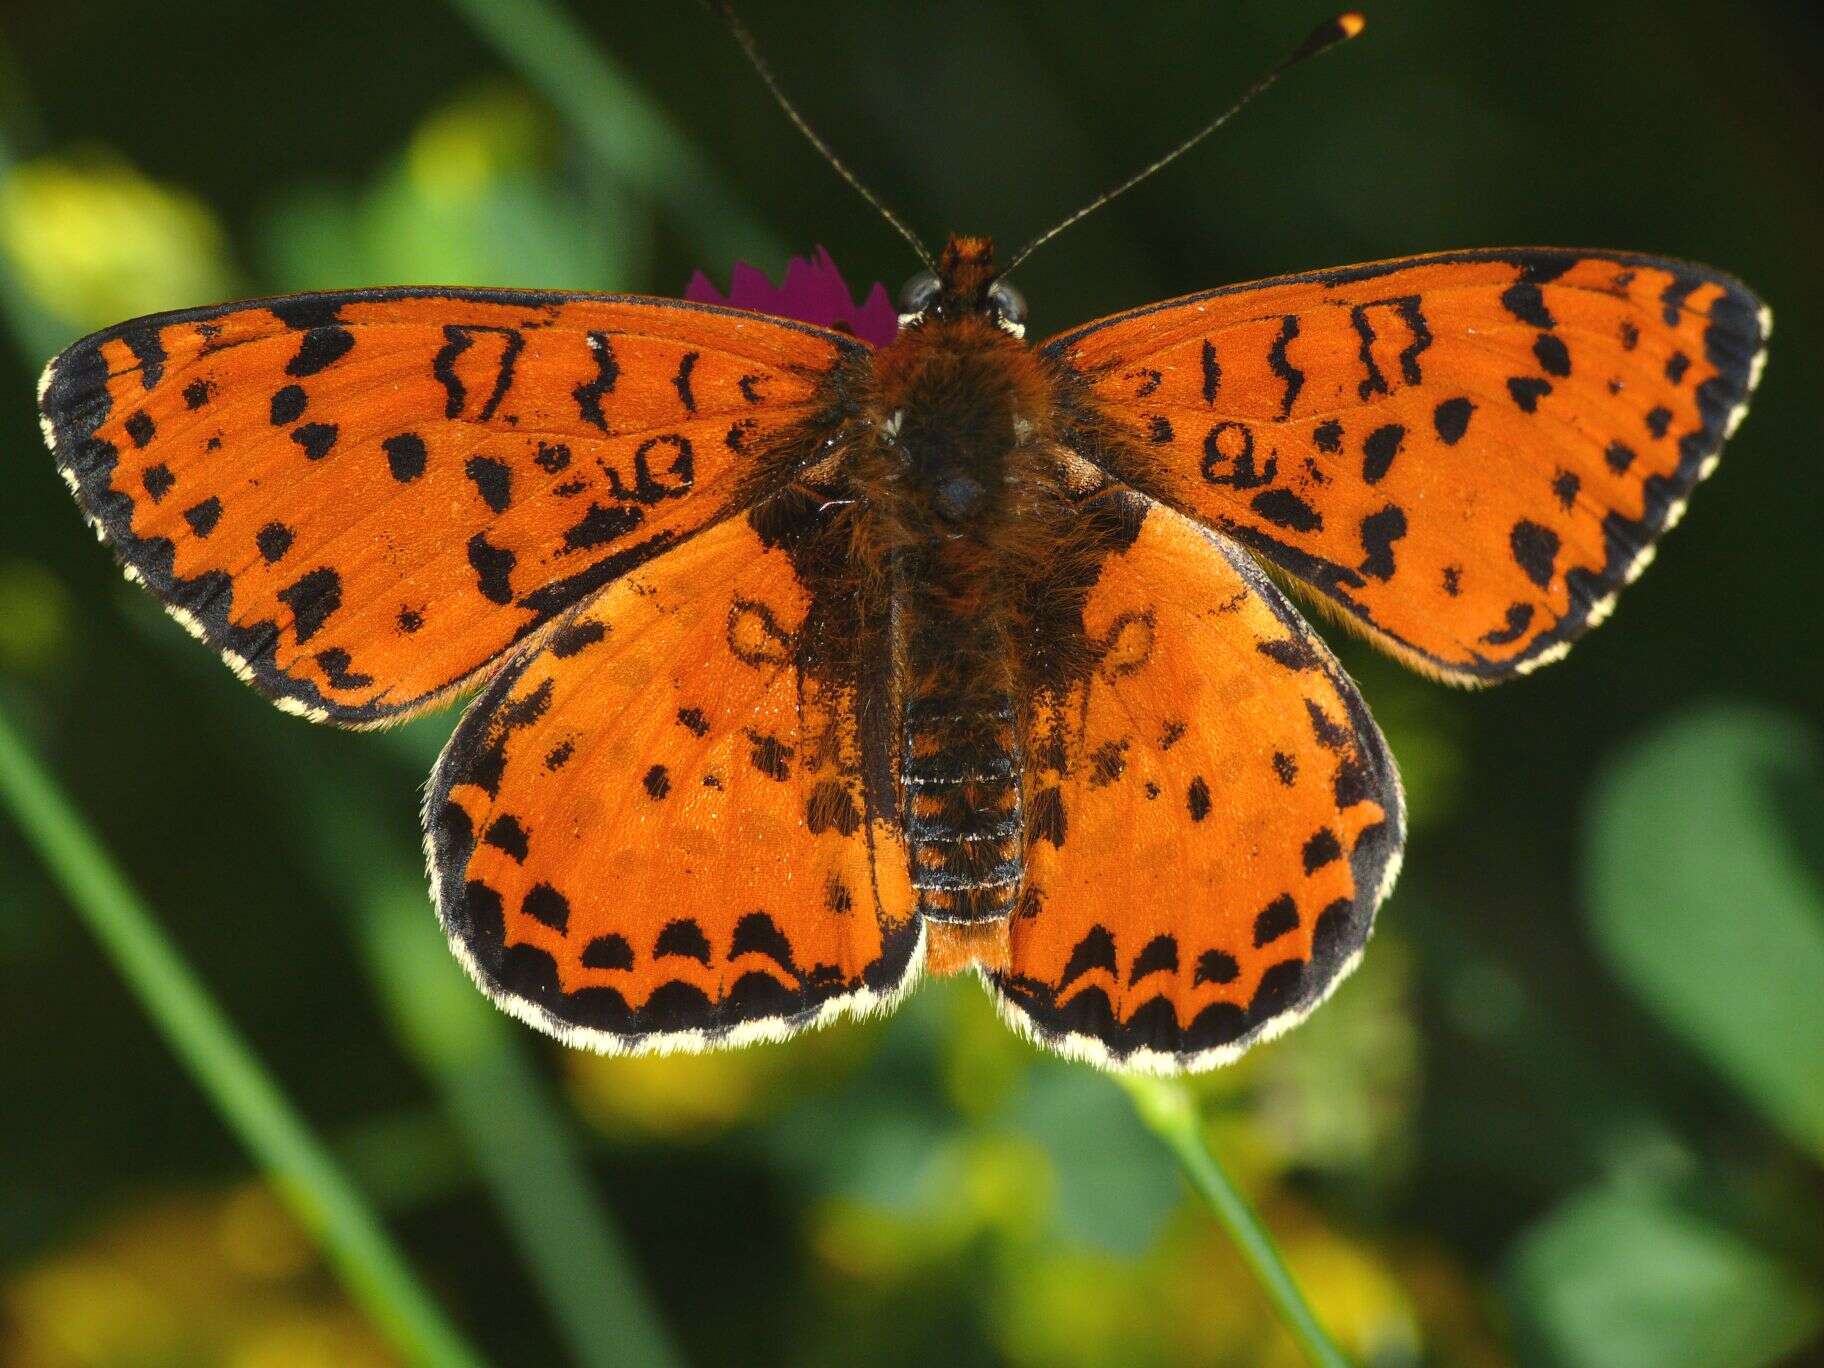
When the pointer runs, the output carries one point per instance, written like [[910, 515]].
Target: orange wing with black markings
[[1469, 453], [361, 499], [654, 831], [1213, 817]]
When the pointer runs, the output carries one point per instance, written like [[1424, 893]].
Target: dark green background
[[1685, 129]]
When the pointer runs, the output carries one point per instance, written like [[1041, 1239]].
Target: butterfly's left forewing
[[654, 831], [362, 499], [1469, 454]]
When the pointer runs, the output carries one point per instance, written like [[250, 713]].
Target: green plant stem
[[516, 1130], [622, 128], [1168, 1111], [518, 1134], [222, 1065]]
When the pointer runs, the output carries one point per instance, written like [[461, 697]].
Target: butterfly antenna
[[1324, 37], [746, 39]]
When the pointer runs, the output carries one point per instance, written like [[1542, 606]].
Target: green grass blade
[[227, 1071], [522, 1143], [1168, 1111], [629, 135]]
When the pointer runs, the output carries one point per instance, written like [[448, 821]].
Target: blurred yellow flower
[[93, 241], [226, 1280], [493, 133], [687, 1096]]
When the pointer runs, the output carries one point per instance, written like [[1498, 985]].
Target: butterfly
[[804, 666]]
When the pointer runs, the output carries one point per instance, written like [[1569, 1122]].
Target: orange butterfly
[[805, 666]]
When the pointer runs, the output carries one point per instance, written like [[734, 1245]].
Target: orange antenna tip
[[1327, 35]]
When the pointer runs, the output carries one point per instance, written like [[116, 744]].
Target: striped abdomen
[[964, 825]]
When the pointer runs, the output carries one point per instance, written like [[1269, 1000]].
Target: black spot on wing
[[1519, 618], [1048, 821], [338, 668], [158, 480], [1329, 436], [1282, 366], [1553, 356], [770, 756], [1379, 449], [590, 393], [1535, 549], [505, 833], [312, 597], [758, 934], [1197, 799], [493, 566], [1323, 848], [316, 440], [149, 352], [683, 938], [1294, 653], [273, 540], [1526, 302], [1215, 966], [1676, 296], [405, 456], [1527, 390], [1275, 920], [141, 429], [601, 525], [1161, 952], [287, 405], [575, 637], [321, 346], [1283, 508], [608, 952], [657, 782], [545, 904], [1451, 419], [831, 807], [1565, 485], [1095, 951], [204, 516], [1212, 373], [681, 381], [1379, 532], [492, 480]]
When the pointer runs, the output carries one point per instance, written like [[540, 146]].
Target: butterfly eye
[[1008, 302], [919, 293]]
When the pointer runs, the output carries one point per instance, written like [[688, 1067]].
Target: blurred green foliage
[[1703, 901], [1568, 1111]]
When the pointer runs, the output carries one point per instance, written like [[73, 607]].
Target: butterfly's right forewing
[[1470, 454]]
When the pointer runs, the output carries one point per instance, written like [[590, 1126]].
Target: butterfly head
[[965, 284]]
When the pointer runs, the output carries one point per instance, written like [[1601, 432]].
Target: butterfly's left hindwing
[[1212, 816], [362, 499], [1470, 454], [653, 833]]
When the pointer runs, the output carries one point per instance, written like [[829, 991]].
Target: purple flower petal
[[813, 292]]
